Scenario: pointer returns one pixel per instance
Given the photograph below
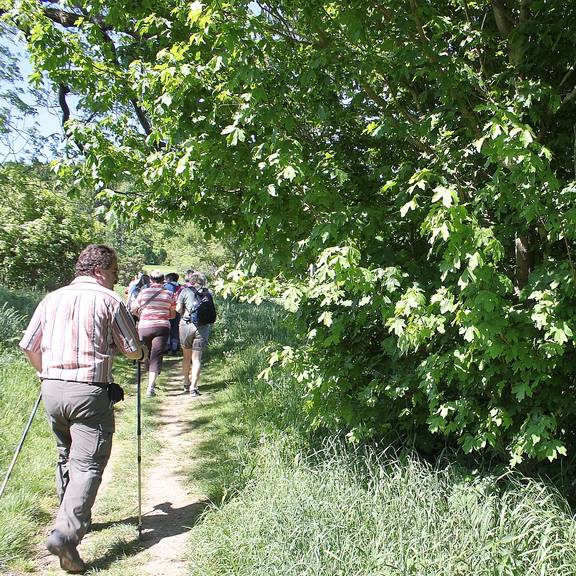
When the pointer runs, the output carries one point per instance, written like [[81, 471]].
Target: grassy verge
[[342, 514], [29, 496], [243, 412], [281, 507]]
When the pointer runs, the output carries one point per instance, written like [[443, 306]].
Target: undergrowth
[[283, 505], [29, 495]]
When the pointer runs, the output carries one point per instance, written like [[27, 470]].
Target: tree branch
[[288, 31], [574, 151], [141, 115], [523, 260], [570, 96], [71, 19], [378, 100], [477, 48], [63, 90], [504, 20], [419, 26]]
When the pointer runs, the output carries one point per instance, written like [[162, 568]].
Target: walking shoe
[[150, 393], [194, 392], [186, 387], [60, 546]]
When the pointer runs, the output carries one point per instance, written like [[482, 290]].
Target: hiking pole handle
[[11, 467]]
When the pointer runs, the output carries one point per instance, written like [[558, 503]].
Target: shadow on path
[[162, 522]]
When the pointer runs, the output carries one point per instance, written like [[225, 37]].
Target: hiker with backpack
[[134, 289], [198, 313], [154, 307]]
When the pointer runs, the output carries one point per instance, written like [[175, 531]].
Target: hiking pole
[[139, 434], [21, 443]]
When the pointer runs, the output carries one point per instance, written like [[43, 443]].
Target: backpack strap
[[188, 317], [140, 308]]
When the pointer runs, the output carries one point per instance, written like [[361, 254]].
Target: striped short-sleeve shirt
[[78, 329], [157, 305]]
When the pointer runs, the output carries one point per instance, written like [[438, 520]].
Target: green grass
[[243, 412], [29, 497], [351, 514]]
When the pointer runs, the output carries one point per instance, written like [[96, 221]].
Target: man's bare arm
[[35, 358]]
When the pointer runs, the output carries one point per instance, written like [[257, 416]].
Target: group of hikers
[[170, 315], [71, 341]]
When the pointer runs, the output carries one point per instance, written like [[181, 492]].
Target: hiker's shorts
[[192, 336]]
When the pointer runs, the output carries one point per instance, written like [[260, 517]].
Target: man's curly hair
[[94, 256]]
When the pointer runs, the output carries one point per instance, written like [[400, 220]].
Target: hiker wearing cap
[[154, 306], [196, 307], [71, 341]]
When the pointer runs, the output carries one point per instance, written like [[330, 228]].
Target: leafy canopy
[[401, 173]]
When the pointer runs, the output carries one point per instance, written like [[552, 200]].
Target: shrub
[[12, 323], [43, 230]]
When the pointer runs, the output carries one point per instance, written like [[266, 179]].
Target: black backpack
[[205, 311]]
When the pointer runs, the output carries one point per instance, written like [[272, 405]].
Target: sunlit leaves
[[377, 171]]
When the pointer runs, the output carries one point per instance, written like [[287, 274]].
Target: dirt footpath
[[167, 506]]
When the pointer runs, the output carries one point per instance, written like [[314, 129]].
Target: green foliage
[[129, 266], [23, 300], [135, 247], [42, 230], [16, 308], [402, 176], [284, 508], [187, 246], [19, 102], [179, 245], [11, 325]]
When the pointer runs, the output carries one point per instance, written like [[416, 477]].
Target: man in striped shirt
[[71, 341]]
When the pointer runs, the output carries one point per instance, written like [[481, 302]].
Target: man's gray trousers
[[82, 419]]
